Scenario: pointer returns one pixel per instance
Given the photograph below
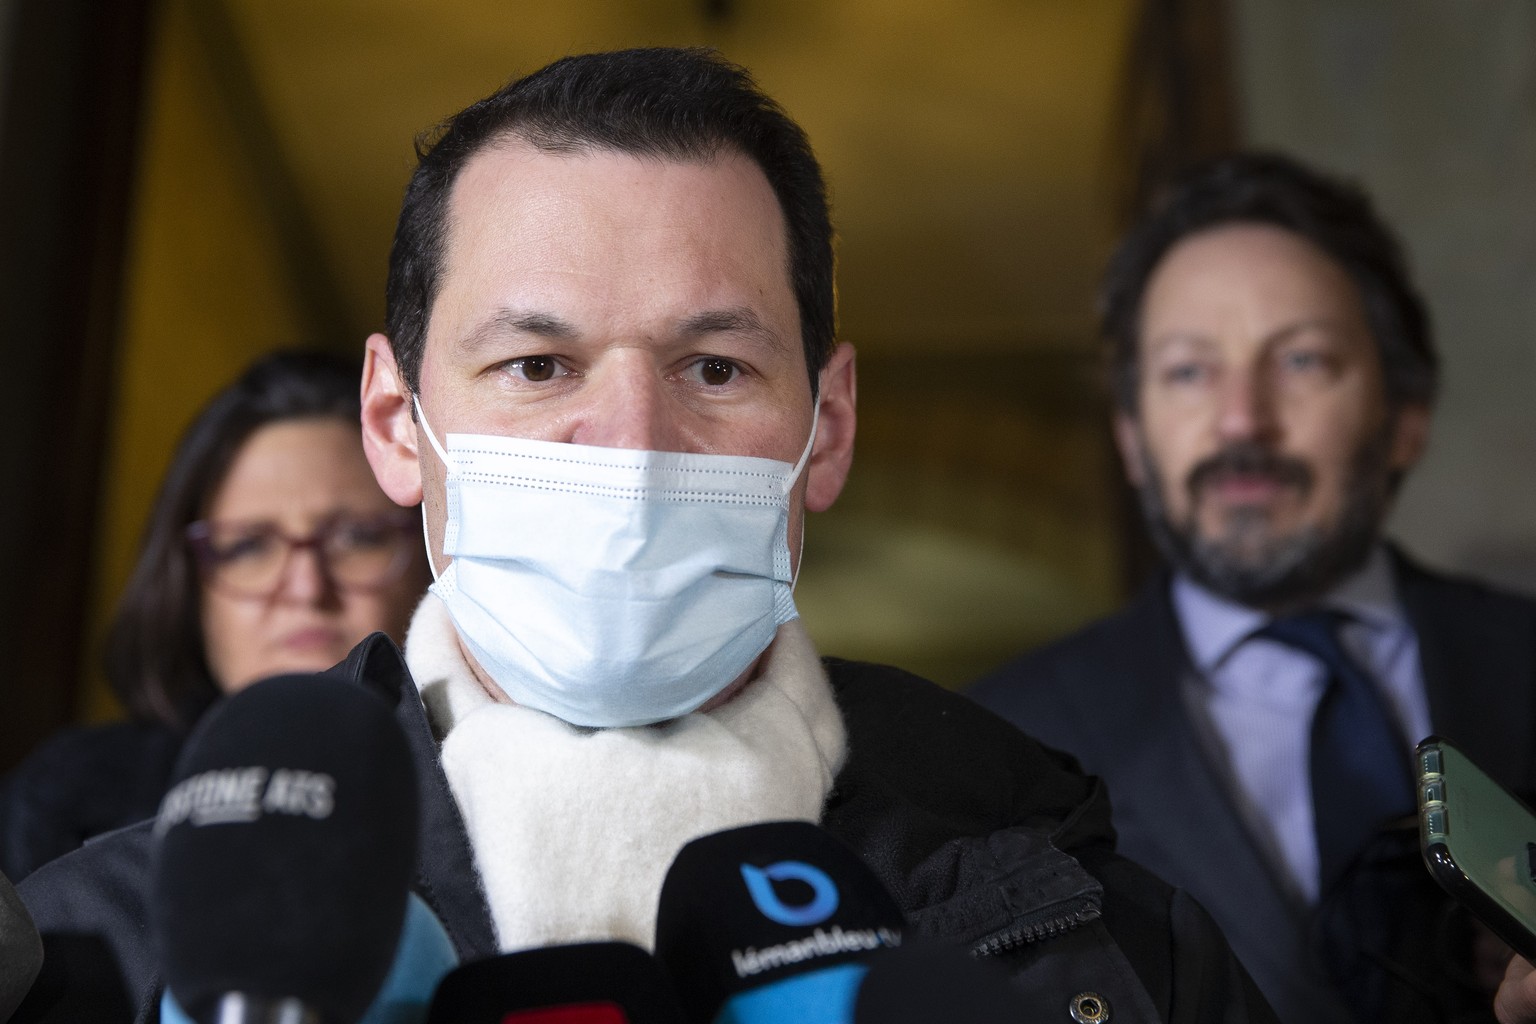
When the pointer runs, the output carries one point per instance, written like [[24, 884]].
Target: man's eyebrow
[[518, 321], [1322, 324], [733, 320]]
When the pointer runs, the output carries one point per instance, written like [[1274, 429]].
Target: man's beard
[[1247, 562]]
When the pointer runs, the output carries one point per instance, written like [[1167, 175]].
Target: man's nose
[[1246, 410], [630, 407]]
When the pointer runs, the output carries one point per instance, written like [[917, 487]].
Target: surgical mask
[[608, 586]]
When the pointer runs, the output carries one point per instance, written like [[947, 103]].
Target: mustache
[[1249, 458]]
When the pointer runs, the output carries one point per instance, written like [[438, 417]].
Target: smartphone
[[1479, 843]]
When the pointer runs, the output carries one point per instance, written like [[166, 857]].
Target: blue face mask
[[608, 586]]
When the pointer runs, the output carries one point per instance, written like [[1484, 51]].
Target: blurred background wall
[[187, 183], [1433, 106]]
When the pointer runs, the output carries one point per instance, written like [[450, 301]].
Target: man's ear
[[1128, 441], [832, 454], [389, 432], [1410, 435]]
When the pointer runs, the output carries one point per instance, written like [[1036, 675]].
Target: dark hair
[[154, 651], [674, 104], [1266, 188]]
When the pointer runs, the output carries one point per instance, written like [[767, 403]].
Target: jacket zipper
[[1046, 924]]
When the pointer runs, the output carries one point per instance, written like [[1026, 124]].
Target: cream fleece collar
[[573, 829]]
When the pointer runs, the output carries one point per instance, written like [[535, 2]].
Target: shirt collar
[[1214, 626]]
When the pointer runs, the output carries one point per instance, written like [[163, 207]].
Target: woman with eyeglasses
[[270, 549]]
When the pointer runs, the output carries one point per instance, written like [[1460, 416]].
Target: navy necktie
[[1360, 767]]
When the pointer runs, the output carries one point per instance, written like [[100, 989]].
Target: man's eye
[[1184, 373], [715, 371], [536, 368], [1303, 361]]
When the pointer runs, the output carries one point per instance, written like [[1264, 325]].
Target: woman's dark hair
[[1267, 188], [154, 652]]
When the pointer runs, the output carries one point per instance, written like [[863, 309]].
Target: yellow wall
[[204, 296]]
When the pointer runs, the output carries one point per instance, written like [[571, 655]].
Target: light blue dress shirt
[[1252, 702]]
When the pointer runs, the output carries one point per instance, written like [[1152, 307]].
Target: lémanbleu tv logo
[[760, 886]]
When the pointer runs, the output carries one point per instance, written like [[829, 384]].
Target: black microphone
[[21, 950], [424, 956], [285, 853], [771, 923], [585, 983]]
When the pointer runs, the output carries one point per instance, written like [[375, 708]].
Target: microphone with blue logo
[[772, 923], [284, 857], [583, 983]]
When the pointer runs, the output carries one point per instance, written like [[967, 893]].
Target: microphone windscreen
[[21, 950], [425, 954], [923, 983], [584, 983], [758, 906], [285, 849]]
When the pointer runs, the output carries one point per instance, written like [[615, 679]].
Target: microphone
[[284, 857], [584, 983], [771, 923], [424, 956], [21, 950]]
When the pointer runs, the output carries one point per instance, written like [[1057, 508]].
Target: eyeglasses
[[355, 552]]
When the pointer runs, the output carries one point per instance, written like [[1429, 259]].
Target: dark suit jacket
[[1111, 695]]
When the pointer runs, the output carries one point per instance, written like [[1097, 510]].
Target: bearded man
[[1254, 710]]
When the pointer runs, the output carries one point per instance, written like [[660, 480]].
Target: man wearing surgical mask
[[610, 376]]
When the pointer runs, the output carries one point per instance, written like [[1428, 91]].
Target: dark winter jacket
[[80, 783], [986, 839]]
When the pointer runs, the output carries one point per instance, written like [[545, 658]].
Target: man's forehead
[[1248, 265], [1252, 248], [512, 170], [516, 205], [502, 167]]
